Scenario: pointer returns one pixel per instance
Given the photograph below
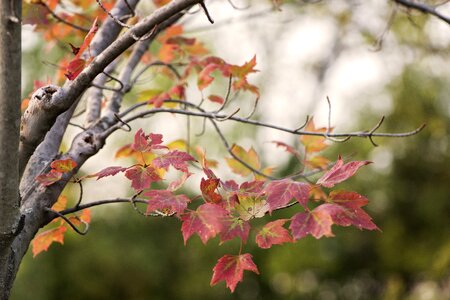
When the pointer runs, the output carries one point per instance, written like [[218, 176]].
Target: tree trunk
[[10, 97]]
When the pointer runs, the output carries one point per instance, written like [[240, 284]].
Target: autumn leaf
[[166, 201], [250, 207], [250, 157], [289, 149], [208, 188], [345, 210], [49, 178], [43, 240], [141, 177], [230, 268], [234, 227], [77, 64], [176, 159], [316, 223], [280, 192], [273, 233], [63, 165], [314, 143], [207, 221], [109, 171], [340, 172], [60, 204], [147, 143]]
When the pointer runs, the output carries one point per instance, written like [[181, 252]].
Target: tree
[[103, 50]]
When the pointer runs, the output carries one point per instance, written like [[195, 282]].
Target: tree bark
[[10, 97]]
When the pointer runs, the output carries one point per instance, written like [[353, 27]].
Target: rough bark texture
[[10, 76]]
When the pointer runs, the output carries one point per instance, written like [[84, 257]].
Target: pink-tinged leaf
[[230, 268], [216, 99], [63, 165], [251, 188], [316, 223], [235, 227], [177, 159], [346, 216], [146, 143], [280, 192], [348, 199], [207, 221], [204, 77], [141, 177], [74, 68], [49, 178], [208, 188], [340, 172], [109, 171], [273, 233], [166, 201], [43, 240]]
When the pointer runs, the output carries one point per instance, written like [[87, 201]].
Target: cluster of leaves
[[227, 207], [224, 208]]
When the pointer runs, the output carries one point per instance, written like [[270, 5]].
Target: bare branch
[[422, 7]]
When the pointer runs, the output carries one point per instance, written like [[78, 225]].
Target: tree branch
[[422, 7]]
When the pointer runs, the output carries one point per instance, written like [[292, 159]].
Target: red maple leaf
[[146, 143], [208, 188], [280, 192], [234, 227], [273, 233], [231, 269], [316, 223], [141, 177], [109, 171], [207, 221], [340, 172], [166, 201], [345, 210], [177, 159]]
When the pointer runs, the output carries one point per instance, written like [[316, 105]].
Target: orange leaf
[[43, 240]]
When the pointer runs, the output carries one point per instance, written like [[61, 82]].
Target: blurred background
[[372, 59]]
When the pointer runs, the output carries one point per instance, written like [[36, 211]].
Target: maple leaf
[[207, 221], [280, 192], [166, 201], [109, 171], [208, 188], [177, 159], [249, 207], [84, 217], [230, 268], [250, 157], [77, 64], [49, 178], [235, 227], [345, 210], [141, 177], [273, 233], [63, 165], [316, 223], [340, 172], [146, 143], [313, 143], [43, 240]]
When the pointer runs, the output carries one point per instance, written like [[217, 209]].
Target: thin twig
[[62, 216]]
